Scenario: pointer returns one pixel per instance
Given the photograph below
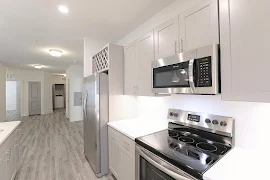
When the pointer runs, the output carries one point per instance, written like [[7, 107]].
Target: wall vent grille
[[11, 76], [100, 61]]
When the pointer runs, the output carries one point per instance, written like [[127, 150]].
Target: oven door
[[150, 166]]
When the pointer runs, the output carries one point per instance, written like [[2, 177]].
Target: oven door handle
[[191, 76], [159, 166]]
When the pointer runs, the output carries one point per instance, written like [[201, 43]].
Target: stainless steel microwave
[[193, 72]]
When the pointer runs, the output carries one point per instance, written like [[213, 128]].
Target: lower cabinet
[[121, 155], [3, 167], [9, 157]]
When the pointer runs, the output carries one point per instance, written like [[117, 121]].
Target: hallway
[[52, 149]]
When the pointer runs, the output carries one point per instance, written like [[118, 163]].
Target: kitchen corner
[[137, 127]]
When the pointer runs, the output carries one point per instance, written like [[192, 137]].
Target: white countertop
[[138, 127], [8, 128], [239, 164]]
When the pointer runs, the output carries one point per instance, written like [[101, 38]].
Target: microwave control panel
[[204, 67]]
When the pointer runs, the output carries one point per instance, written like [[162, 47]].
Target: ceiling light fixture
[[37, 66], [55, 52], [63, 9]]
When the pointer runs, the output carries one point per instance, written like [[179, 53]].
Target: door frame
[[29, 97]]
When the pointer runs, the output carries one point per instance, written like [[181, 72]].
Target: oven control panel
[[213, 123], [204, 68]]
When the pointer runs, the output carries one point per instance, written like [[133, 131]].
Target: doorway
[[13, 101], [34, 98]]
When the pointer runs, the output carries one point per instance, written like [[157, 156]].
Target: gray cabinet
[[199, 25], [167, 39], [245, 50]]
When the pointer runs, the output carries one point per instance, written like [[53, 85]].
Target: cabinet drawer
[[128, 145], [114, 134]]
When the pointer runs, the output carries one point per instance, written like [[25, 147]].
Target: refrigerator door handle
[[85, 105]]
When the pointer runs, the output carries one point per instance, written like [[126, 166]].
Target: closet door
[[145, 56], [167, 39]]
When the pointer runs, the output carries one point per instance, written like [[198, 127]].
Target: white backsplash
[[251, 119]]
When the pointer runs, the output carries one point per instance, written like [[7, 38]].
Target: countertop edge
[[13, 129]]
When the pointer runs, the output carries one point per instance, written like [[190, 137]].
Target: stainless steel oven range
[[190, 146], [192, 72]]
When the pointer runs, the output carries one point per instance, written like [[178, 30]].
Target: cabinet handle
[[175, 47], [137, 90], [181, 45]]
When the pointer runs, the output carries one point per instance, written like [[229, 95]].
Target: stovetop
[[192, 150]]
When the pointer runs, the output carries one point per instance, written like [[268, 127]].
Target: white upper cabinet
[[131, 70], [245, 40], [145, 56], [167, 39], [199, 26]]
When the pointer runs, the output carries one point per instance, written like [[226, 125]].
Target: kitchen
[[179, 33]]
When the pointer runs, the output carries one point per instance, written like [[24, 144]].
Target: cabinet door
[[114, 157], [127, 167], [199, 26], [145, 56], [10, 163], [131, 70], [245, 50], [167, 39], [3, 167]]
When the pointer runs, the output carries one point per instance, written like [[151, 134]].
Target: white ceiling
[[29, 28]]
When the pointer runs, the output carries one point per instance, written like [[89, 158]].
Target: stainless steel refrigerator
[[96, 115]]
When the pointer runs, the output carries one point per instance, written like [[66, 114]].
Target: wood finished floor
[[52, 149], [12, 116]]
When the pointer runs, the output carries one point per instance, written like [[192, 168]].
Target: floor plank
[[52, 149]]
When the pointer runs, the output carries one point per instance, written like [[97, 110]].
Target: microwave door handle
[[191, 76]]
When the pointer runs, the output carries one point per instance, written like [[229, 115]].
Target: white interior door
[[18, 97], [34, 98]]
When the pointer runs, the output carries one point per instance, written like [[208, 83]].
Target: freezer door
[[96, 84]]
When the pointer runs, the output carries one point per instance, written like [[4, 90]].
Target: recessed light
[[63, 9], [55, 52], [37, 66]]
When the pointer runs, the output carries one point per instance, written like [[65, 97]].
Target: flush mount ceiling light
[[37, 66], [63, 9], [55, 52]]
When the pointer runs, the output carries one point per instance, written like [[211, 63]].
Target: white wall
[[91, 47], [252, 122], [48, 103], [58, 79], [11, 95], [75, 84], [2, 92], [24, 76]]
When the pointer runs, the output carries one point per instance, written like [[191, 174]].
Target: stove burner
[[186, 139], [173, 134], [206, 147], [186, 154]]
